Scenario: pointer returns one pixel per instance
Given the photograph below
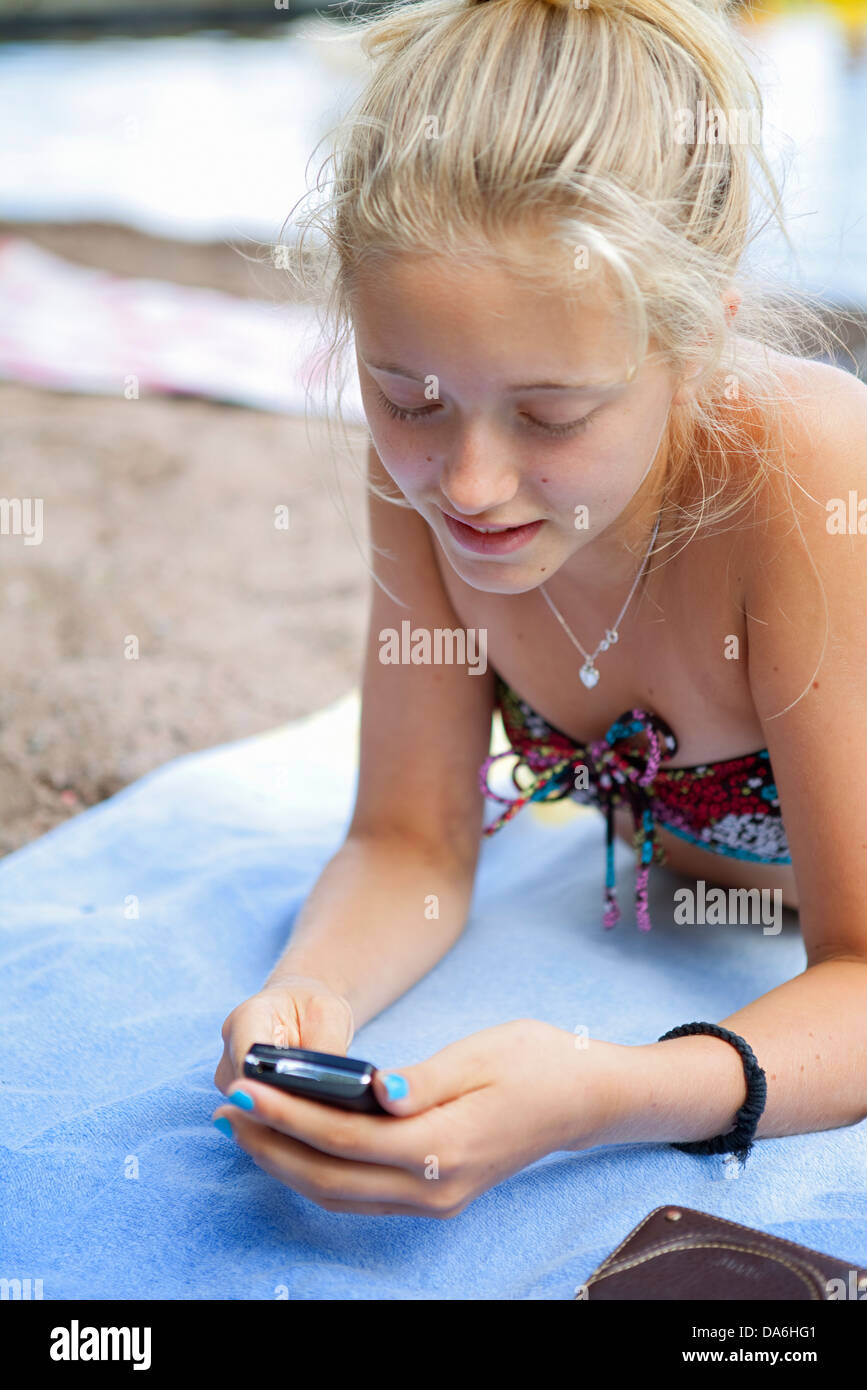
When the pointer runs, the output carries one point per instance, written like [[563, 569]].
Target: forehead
[[419, 309]]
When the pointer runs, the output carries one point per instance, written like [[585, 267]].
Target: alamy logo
[[710, 125], [718, 907], [846, 518], [75, 1343], [855, 1286], [439, 646], [20, 1289], [22, 516]]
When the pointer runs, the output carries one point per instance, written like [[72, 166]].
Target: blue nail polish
[[242, 1099], [396, 1086], [223, 1125]]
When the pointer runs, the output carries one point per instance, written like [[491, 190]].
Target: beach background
[[164, 146]]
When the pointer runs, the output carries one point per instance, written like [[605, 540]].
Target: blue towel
[[115, 1182]]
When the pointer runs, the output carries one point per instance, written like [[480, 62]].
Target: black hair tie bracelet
[[740, 1139]]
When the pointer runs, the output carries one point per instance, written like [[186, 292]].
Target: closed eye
[[424, 412]]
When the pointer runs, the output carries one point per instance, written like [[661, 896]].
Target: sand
[[159, 526]]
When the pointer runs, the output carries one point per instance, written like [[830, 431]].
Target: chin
[[490, 578]]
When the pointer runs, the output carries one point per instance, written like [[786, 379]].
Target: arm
[[810, 1033], [369, 927], [810, 1037], [490, 1104], [363, 928]]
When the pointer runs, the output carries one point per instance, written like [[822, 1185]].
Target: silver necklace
[[588, 673]]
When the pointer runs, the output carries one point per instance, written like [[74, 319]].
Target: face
[[507, 419]]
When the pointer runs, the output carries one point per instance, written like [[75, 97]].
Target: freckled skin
[[479, 332]]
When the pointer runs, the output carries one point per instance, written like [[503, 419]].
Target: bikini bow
[[617, 773]]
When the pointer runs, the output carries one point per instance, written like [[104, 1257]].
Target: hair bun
[[639, 9]]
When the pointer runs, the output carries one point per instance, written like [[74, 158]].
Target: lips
[[498, 540]]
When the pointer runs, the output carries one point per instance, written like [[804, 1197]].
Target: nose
[[477, 475]]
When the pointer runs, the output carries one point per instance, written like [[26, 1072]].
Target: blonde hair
[[484, 121]]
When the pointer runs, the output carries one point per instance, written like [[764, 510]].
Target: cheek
[[563, 485], [408, 464], [405, 459], [411, 468], [597, 476]]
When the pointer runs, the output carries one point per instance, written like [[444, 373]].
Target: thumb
[[327, 1036], [439, 1079], [327, 1026]]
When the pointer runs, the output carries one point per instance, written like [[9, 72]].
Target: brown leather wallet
[[677, 1253]]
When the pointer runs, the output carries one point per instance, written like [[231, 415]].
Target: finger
[[231, 1068], [262, 1026], [325, 1177], [386, 1209], [438, 1212], [343, 1133], [327, 1024], [454, 1071], [224, 1076], [329, 1037]]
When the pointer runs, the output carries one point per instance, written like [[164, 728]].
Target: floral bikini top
[[730, 807]]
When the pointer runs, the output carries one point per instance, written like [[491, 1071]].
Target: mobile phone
[[343, 1081]]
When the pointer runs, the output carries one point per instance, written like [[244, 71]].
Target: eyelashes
[[425, 412]]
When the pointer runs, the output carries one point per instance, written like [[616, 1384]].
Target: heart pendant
[[589, 674]]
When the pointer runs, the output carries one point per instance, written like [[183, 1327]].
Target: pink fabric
[[70, 328]]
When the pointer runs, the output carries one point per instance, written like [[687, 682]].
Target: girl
[[597, 447]]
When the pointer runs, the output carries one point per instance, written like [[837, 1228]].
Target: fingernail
[[241, 1098], [223, 1125], [396, 1086]]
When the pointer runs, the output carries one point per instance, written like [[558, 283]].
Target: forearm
[[809, 1036], [382, 913]]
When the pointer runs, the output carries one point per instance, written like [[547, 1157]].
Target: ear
[[731, 301], [687, 388]]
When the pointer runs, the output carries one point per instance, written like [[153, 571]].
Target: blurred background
[[154, 355]]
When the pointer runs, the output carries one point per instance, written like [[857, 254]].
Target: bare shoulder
[[824, 455], [825, 410], [806, 628], [805, 580]]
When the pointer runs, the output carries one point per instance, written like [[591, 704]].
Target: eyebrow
[[585, 388]]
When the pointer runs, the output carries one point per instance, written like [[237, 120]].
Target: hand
[[474, 1113], [295, 1011]]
